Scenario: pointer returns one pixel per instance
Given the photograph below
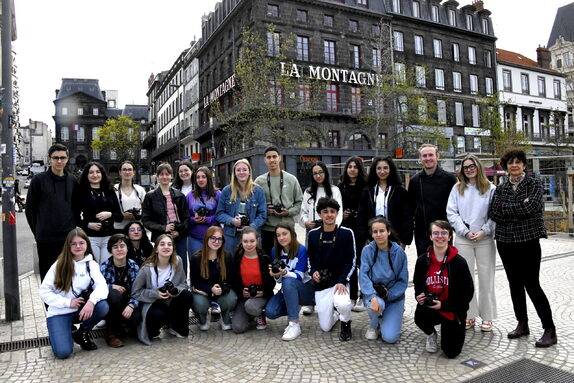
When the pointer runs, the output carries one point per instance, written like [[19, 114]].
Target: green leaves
[[121, 135]]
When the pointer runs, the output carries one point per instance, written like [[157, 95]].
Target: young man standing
[[429, 190], [49, 207], [331, 252], [282, 193]]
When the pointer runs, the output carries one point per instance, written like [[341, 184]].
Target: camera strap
[[118, 188], [280, 187], [157, 274], [91, 285]]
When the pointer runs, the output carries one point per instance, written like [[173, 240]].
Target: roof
[[137, 112], [113, 112], [72, 86], [563, 25], [514, 58]]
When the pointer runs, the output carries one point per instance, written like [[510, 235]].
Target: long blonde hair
[[249, 186], [65, 264], [482, 183]]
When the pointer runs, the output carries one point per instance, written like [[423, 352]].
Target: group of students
[[241, 241]]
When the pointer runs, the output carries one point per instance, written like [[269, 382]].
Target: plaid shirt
[[516, 220], [109, 274]]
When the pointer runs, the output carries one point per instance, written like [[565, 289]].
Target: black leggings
[[452, 332], [117, 303], [175, 315]]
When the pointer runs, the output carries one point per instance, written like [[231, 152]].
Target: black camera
[[107, 226], [278, 207], [168, 287], [253, 289], [318, 223], [277, 265], [225, 288], [176, 225], [353, 213], [86, 295], [244, 220], [381, 289], [429, 299], [325, 276], [202, 211], [137, 213]]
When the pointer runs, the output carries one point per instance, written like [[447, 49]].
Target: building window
[[113, 155], [64, 133], [80, 111], [396, 6], [96, 112], [273, 44], [435, 16], [362, 3], [382, 140], [457, 81], [400, 73], [567, 59], [95, 133], [420, 76], [398, 40], [305, 95], [485, 28], [422, 109], [473, 84], [328, 20], [332, 97], [275, 93], [489, 86], [475, 116], [272, 10], [95, 154], [542, 86], [557, 90], [334, 139], [507, 80], [477, 143], [376, 30], [456, 52], [458, 112], [439, 79], [441, 111], [329, 47], [469, 22], [355, 100], [353, 25], [452, 17], [80, 134], [376, 58], [437, 48], [416, 9], [488, 59], [359, 141], [525, 83], [301, 16], [419, 48], [64, 111], [355, 56], [460, 144], [302, 48], [472, 55]]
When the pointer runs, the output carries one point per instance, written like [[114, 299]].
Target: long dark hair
[[144, 241], [105, 183], [177, 182], [393, 179], [293, 246], [361, 179], [209, 188], [326, 183]]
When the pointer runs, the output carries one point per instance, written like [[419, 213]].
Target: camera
[[277, 265], [86, 295], [137, 213], [202, 211], [326, 276], [107, 226], [353, 213], [244, 220], [429, 298], [225, 288], [318, 223], [176, 225], [253, 289], [278, 207], [168, 287], [381, 289]]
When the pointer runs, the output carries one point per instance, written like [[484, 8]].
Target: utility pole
[[11, 288]]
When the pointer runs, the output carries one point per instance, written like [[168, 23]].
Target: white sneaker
[[359, 306], [214, 308], [431, 345], [372, 333], [175, 333], [100, 324], [224, 327], [307, 310], [204, 327], [292, 331]]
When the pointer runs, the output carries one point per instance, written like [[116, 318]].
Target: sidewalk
[[261, 356]]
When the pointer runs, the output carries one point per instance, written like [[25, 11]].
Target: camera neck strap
[[89, 286], [157, 274], [119, 190], [280, 187]]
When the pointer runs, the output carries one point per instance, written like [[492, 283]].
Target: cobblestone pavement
[[316, 356]]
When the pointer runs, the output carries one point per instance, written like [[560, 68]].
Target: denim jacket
[[256, 209]]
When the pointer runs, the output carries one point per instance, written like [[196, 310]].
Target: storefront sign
[[312, 72], [221, 89], [308, 159]]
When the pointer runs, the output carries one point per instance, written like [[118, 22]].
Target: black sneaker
[[83, 337], [346, 333]]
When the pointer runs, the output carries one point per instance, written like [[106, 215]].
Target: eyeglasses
[[134, 229], [127, 170], [469, 167], [216, 239], [78, 244], [59, 158], [318, 173], [440, 233]]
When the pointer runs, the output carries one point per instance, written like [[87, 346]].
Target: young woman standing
[[202, 203], [130, 196], [467, 212], [184, 177]]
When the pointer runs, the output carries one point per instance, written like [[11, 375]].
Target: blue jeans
[[193, 244], [181, 249], [60, 328], [231, 243], [392, 319], [286, 302]]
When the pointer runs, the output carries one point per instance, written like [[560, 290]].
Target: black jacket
[[399, 213], [205, 284], [86, 205], [460, 289], [49, 206], [266, 278], [154, 212], [351, 195]]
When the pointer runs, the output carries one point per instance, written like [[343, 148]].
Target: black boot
[[548, 338], [346, 333], [520, 330], [83, 337]]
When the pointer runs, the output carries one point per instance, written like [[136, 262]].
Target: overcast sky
[[121, 42]]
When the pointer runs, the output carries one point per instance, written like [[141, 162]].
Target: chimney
[[543, 56], [478, 5]]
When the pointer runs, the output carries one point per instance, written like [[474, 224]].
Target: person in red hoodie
[[443, 290]]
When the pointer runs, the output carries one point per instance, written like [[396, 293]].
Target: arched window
[[358, 141]]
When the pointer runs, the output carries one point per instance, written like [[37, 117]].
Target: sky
[[122, 42]]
